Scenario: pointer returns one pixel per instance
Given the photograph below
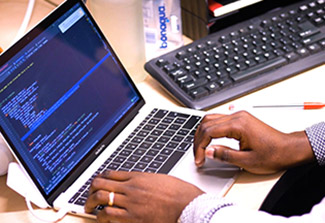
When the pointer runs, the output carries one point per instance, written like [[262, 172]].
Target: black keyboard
[[245, 57], [155, 146]]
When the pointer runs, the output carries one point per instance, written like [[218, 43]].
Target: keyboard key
[[134, 158], [148, 143], [140, 166], [160, 114], [162, 126], [119, 159], [169, 133], [181, 55], [161, 158], [184, 146], [163, 139], [74, 197], [292, 56], [156, 132], [192, 122], [212, 87], [139, 152], [313, 39], [81, 201], [314, 48], [176, 114], [166, 152], [155, 165], [177, 138], [148, 127], [189, 139], [171, 162], [131, 146], [180, 121], [152, 152], [183, 132], [199, 93], [172, 145], [224, 82], [146, 159], [303, 52], [158, 146], [308, 29], [174, 127], [137, 140], [167, 120], [125, 153], [267, 66], [112, 166], [149, 139], [161, 62], [128, 165]]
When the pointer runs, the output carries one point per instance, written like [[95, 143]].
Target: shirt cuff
[[202, 208], [316, 136]]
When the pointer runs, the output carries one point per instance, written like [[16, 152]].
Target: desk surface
[[249, 189]]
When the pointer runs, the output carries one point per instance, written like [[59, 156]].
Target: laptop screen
[[60, 94]]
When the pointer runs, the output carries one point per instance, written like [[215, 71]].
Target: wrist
[[299, 150]]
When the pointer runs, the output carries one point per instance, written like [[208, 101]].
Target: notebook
[[69, 110]]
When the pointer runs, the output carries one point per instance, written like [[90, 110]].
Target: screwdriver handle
[[313, 105]]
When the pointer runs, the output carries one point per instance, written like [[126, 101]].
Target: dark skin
[[263, 149], [140, 197], [147, 198]]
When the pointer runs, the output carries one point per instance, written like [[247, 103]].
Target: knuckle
[[207, 118], [205, 129], [242, 116], [100, 195], [95, 183]]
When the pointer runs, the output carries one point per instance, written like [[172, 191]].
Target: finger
[[207, 119], [117, 175], [199, 145], [217, 128], [210, 117], [101, 197], [210, 122], [100, 183], [112, 214], [224, 153]]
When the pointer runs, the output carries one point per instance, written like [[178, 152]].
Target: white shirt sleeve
[[203, 210]]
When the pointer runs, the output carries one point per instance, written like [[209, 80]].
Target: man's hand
[[263, 149], [140, 197]]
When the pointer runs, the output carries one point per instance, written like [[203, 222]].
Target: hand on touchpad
[[216, 164]]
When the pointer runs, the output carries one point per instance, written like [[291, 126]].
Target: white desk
[[249, 189]]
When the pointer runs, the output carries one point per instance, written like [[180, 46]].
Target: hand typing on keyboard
[[140, 197], [263, 150], [147, 197]]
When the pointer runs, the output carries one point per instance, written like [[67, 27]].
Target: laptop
[[69, 111]]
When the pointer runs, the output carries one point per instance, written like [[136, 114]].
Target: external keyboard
[[245, 57]]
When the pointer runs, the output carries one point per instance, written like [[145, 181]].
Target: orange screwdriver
[[305, 106]]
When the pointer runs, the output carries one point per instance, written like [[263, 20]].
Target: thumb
[[227, 154]]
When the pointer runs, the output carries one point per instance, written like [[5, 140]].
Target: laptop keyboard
[[246, 57], [154, 146]]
